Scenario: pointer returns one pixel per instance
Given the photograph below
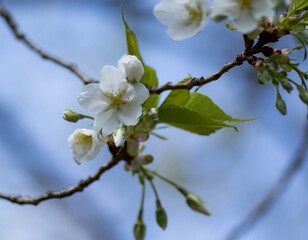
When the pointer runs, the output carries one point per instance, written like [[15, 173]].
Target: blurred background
[[230, 170]]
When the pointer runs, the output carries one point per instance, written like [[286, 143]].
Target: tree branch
[[202, 80], [275, 192], [7, 16], [64, 192]]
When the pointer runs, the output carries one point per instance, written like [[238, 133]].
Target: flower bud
[[303, 94], [285, 51], [153, 114], [259, 64], [132, 147], [119, 136], [139, 230], [260, 78], [161, 215], [132, 67], [286, 84], [196, 203], [281, 105], [283, 59], [146, 159], [71, 116]]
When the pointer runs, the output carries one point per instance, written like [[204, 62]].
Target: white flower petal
[[132, 67], [92, 98], [263, 8], [119, 136], [184, 18], [129, 114], [84, 145], [130, 92], [245, 14], [246, 22], [111, 78], [106, 122], [141, 92], [226, 8], [180, 31], [169, 12]]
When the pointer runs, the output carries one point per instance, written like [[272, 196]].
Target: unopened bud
[[139, 230], [196, 203], [286, 84], [119, 136], [146, 159], [161, 215], [281, 105], [132, 147], [303, 94], [283, 59], [260, 78], [71, 116], [285, 51], [153, 114], [259, 64]]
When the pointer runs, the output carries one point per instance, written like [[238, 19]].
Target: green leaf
[[149, 78], [194, 112], [297, 5], [131, 41]]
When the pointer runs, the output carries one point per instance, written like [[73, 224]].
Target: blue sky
[[230, 170]]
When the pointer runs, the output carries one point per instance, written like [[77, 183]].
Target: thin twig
[[275, 192], [9, 19], [64, 192], [202, 80]]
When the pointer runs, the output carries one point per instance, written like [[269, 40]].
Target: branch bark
[[274, 193], [21, 200], [202, 80]]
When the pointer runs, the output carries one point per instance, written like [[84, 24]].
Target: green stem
[[299, 73], [142, 202], [154, 189], [178, 187], [86, 116]]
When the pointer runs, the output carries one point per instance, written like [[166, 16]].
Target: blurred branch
[[10, 21], [275, 192], [64, 192]]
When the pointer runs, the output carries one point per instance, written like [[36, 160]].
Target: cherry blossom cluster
[[116, 103], [185, 18]]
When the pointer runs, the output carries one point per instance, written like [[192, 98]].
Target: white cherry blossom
[[132, 67], [113, 100], [246, 14], [84, 144], [184, 18]]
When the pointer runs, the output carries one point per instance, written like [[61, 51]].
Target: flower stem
[[177, 186]]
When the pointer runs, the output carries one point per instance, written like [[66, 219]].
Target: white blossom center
[[245, 3], [116, 99], [195, 13], [83, 142]]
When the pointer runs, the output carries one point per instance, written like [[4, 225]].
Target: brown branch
[[275, 192], [9, 19], [64, 192], [202, 80]]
